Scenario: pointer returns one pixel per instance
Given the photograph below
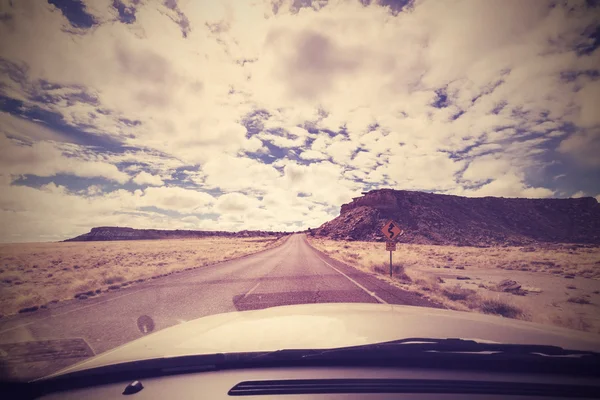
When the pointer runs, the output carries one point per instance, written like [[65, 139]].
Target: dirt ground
[[33, 275], [559, 284]]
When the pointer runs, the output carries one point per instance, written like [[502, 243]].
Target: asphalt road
[[293, 273]]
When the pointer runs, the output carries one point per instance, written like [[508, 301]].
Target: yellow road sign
[[390, 246], [391, 230]]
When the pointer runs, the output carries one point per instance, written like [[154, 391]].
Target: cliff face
[[441, 219], [105, 233]]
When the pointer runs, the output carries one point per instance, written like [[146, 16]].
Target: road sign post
[[391, 230]]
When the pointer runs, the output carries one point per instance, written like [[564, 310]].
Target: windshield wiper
[[414, 346]]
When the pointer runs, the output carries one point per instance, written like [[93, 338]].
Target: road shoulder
[[382, 289]]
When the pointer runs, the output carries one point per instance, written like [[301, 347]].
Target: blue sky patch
[[75, 12]]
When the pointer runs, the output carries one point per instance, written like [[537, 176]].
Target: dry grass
[[420, 266], [556, 259], [34, 274], [570, 321]]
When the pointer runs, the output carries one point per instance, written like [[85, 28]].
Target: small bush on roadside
[[428, 285], [457, 292], [397, 270], [578, 300], [83, 286], [113, 279], [28, 300], [499, 307]]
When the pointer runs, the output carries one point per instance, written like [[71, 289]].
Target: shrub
[[397, 270], [578, 300], [113, 279], [499, 307], [458, 293]]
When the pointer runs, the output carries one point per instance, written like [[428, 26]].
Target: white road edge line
[[16, 327], [372, 294], [251, 290]]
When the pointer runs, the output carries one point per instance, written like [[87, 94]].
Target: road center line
[[251, 290], [372, 294]]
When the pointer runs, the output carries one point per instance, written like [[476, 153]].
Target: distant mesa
[[106, 233], [453, 220]]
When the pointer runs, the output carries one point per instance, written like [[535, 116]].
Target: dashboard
[[342, 383]]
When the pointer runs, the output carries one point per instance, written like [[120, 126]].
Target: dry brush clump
[[500, 307], [485, 304], [34, 275], [456, 293], [398, 270], [579, 300]]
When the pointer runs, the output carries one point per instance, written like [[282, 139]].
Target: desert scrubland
[[552, 284], [33, 275]]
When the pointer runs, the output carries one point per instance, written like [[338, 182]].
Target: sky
[[251, 114]]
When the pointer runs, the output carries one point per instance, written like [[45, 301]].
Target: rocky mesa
[[105, 233], [454, 220]]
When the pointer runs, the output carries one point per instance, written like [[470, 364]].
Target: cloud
[[487, 166], [282, 141], [177, 199], [588, 99], [285, 110], [52, 212], [238, 173], [583, 146], [43, 158], [312, 155], [509, 185], [323, 181], [235, 203], [423, 171], [144, 178]]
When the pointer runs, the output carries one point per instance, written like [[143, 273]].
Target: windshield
[[394, 169]]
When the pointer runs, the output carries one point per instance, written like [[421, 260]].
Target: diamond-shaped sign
[[391, 230]]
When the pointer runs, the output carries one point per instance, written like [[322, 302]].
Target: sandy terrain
[[35, 274], [560, 284]]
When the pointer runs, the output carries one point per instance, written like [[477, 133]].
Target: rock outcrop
[[105, 233], [453, 220]]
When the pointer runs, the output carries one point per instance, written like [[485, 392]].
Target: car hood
[[319, 326]]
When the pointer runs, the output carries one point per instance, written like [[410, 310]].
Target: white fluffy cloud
[[583, 146], [43, 158], [235, 203], [144, 178], [176, 199]]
